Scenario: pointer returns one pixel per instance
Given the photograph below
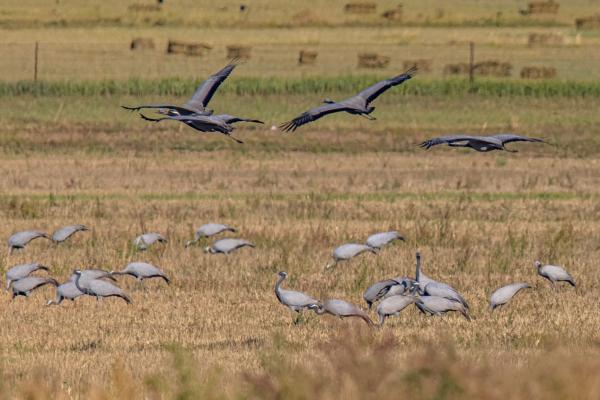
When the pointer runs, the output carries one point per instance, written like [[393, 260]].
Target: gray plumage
[[66, 291], [347, 251], [142, 242], [407, 286], [378, 290], [20, 239], [479, 143], [393, 305], [62, 234], [24, 286], [205, 123], [434, 305], [142, 270], [226, 246], [430, 287], [90, 274], [357, 105], [22, 271], [202, 96], [295, 301], [378, 240], [342, 309], [504, 294], [99, 288], [554, 274], [208, 230]]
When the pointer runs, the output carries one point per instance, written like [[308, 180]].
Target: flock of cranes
[[393, 295], [195, 114], [431, 297], [95, 282]]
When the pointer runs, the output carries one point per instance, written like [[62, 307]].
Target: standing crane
[[295, 301], [342, 309], [22, 271], [208, 230], [504, 294], [226, 246], [99, 288]]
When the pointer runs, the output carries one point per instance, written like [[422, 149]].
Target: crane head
[[283, 274], [328, 101], [208, 249], [537, 263]]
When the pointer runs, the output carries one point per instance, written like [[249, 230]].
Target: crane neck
[[280, 279]]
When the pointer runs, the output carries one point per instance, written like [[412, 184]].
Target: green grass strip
[[290, 86]]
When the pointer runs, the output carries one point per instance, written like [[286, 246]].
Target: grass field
[[479, 220], [70, 154]]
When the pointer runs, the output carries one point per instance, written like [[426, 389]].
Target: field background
[[69, 154]]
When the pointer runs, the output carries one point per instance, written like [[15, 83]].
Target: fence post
[[471, 61], [35, 62]]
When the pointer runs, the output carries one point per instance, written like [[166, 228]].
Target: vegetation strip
[[312, 85], [383, 196]]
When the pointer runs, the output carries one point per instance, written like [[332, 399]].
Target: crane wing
[[447, 140], [372, 92], [207, 89], [508, 138], [181, 110], [312, 115]]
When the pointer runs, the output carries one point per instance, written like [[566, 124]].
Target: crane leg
[[367, 116]]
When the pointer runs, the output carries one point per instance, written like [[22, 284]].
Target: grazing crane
[[66, 291], [226, 246], [504, 294], [62, 234], [429, 287], [406, 285], [22, 271], [222, 123], [295, 301], [208, 230], [342, 309], [142, 270], [348, 251], [99, 288], [435, 305], [378, 240], [479, 143], [23, 287], [203, 94], [90, 274], [380, 289], [393, 305], [142, 242], [20, 239], [554, 274], [358, 105]]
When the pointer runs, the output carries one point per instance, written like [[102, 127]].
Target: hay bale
[[456, 69], [394, 14], [142, 44], [372, 60], [492, 68], [237, 51], [423, 65], [591, 23], [141, 7], [188, 49], [307, 57], [541, 7], [552, 39], [538, 72], [484, 68], [365, 7]]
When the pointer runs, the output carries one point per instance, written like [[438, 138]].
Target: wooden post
[[35, 62], [471, 61]]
